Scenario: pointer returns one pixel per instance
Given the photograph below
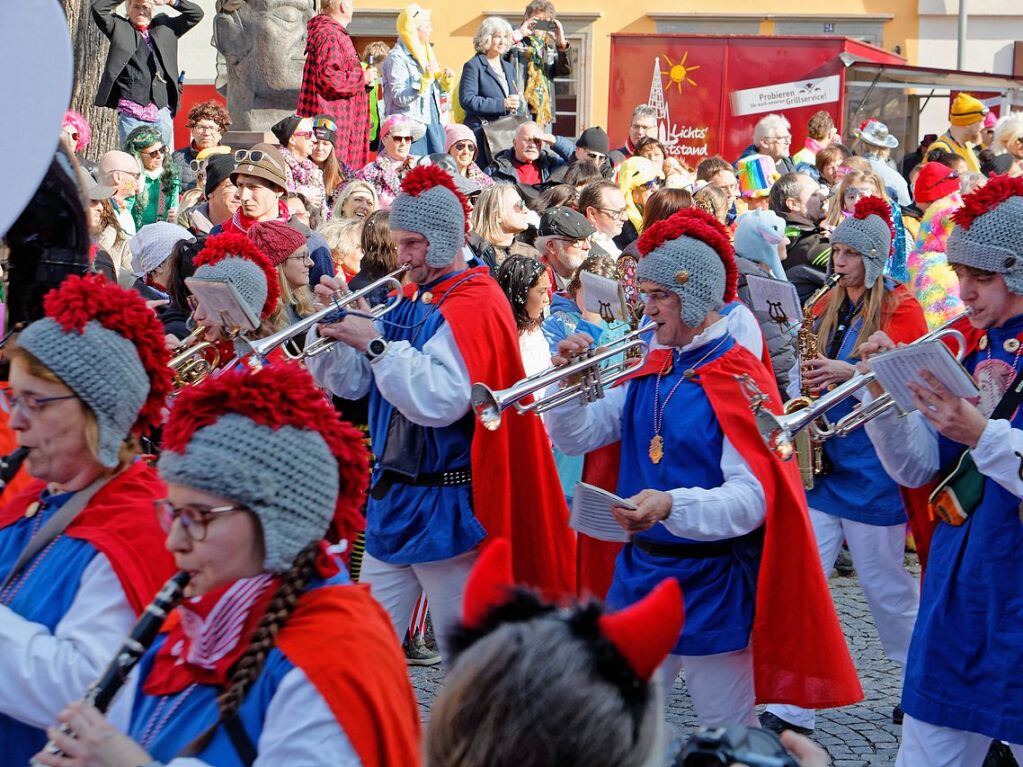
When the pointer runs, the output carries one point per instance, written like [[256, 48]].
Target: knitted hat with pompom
[[431, 205], [870, 232], [690, 255], [988, 231], [269, 440]]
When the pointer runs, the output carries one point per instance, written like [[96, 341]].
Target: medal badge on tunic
[[993, 379], [656, 451]]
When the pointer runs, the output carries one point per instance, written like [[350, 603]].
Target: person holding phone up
[[539, 54]]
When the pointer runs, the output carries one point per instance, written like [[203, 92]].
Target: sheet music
[[591, 513], [603, 296], [776, 298], [897, 368], [220, 299]]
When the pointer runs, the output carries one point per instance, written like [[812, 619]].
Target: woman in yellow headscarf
[[414, 83], [638, 178]]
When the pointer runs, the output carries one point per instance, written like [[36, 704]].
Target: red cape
[[121, 523], [515, 487], [793, 602], [344, 642]]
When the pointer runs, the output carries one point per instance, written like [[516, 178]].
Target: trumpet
[[779, 431], [193, 362], [340, 301], [489, 405]]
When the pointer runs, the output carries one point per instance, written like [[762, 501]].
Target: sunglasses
[[596, 156], [461, 146], [249, 155], [325, 124], [654, 183], [302, 134], [158, 152], [401, 139], [197, 166], [583, 243]]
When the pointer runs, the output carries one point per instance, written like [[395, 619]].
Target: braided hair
[[517, 276], [246, 671]]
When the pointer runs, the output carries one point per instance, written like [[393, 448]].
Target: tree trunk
[[90, 47]]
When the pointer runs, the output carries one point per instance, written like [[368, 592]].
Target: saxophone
[[809, 451]]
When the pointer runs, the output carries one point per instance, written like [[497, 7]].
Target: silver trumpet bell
[[263, 346], [590, 381], [779, 431]]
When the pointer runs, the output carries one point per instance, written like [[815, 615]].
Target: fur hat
[[870, 232], [109, 348], [431, 205], [689, 254], [988, 231], [270, 441]]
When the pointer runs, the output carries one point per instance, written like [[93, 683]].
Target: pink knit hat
[[456, 132]]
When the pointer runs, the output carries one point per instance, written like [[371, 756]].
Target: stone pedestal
[[244, 139]]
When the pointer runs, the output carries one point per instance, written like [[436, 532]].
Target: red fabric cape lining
[[793, 601], [121, 523], [515, 487], [369, 692]]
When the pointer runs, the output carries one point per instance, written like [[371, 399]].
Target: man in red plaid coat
[[334, 83]]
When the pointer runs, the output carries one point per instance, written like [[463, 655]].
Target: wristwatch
[[375, 348]]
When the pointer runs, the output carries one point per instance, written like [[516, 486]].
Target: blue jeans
[[164, 124], [433, 141]]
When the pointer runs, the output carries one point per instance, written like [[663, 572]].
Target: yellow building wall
[[455, 22]]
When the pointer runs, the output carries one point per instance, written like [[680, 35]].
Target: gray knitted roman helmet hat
[[689, 254], [234, 258], [988, 231], [106, 345], [268, 440], [870, 233], [431, 205]]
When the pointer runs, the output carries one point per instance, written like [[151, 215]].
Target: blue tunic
[[421, 524], [42, 593], [719, 591], [856, 486], [965, 664]]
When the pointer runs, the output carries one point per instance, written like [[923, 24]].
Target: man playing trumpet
[[714, 508], [961, 684], [441, 485]]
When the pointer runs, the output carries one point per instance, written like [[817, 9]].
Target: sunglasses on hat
[[324, 124], [249, 155]]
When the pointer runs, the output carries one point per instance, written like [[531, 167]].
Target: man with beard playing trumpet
[[441, 486], [713, 507]]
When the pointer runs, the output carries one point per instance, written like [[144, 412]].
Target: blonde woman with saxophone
[[854, 499]]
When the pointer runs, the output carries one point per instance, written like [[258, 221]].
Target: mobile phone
[[544, 26]]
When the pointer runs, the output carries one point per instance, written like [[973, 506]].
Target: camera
[[544, 26], [715, 747]]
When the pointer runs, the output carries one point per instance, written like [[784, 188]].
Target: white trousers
[[397, 587], [893, 595], [927, 745], [721, 686]]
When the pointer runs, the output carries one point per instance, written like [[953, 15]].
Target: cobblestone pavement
[[856, 736]]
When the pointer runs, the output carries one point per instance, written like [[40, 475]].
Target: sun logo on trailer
[[678, 74]]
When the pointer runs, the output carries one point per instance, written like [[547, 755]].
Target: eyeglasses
[[205, 128], [249, 155], [584, 243], [303, 258], [655, 296], [519, 206], [302, 134], [617, 215], [158, 152], [401, 139], [27, 402], [596, 156], [461, 146], [194, 519], [953, 175]]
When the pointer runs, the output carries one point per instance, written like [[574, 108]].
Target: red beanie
[[276, 239], [934, 182]]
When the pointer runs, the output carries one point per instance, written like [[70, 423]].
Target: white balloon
[[37, 67]]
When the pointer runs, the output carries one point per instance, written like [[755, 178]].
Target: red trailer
[[710, 90]]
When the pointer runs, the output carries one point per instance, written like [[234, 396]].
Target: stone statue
[[262, 43]]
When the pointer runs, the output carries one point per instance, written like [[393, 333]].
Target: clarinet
[[10, 464], [101, 692]]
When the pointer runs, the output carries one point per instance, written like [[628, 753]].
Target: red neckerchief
[[210, 635], [243, 223]]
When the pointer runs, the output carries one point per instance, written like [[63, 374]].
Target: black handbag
[[499, 134]]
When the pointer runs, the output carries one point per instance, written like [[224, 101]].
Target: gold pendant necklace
[[656, 451]]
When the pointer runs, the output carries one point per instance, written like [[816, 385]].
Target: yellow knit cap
[[966, 110]]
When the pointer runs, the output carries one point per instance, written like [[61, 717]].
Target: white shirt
[[736, 507]]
